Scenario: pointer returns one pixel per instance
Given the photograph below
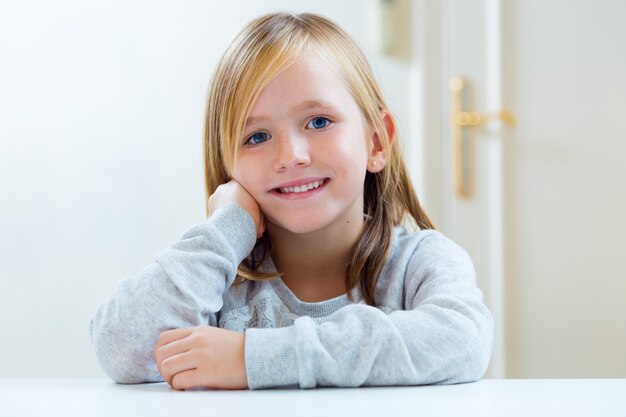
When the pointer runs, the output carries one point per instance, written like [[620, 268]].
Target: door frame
[[440, 29]]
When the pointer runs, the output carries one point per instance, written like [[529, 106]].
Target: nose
[[292, 151]]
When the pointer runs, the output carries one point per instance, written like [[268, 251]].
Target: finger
[[168, 345], [176, 364], [168, 336], [187, 379], [174, 348]]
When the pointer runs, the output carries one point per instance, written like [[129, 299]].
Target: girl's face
[[304, 153]]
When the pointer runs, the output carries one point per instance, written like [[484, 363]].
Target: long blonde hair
[[266, 46]]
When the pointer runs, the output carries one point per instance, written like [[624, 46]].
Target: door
[[542, 213]]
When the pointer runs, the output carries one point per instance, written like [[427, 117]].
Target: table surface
[[489, 397]]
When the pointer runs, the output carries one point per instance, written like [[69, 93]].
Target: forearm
[[183, 288], [362, 345]]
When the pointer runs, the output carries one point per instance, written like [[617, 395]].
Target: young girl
[[302, 274]]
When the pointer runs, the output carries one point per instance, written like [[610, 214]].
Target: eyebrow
[[305, 105]]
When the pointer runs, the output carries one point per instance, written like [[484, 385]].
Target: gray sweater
[[431, 325]]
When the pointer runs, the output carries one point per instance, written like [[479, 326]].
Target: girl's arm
[[444, 334], [182, 288]]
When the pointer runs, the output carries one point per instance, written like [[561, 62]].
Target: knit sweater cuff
[[271, 357]]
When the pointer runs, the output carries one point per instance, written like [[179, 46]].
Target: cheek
[[245, 174], [239, 174], [350, 155], [243, 166]]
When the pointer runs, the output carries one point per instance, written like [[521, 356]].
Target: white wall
[[101, 108]]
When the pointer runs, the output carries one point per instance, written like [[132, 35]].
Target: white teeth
[[302, 188]]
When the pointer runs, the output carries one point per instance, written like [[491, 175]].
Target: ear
[[377, 157]]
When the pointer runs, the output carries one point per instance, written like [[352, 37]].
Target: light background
[[101, 119]]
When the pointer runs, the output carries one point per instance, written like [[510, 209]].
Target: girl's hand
[[233, 192], [202, 356]]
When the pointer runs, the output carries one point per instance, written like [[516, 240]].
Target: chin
[[298, 224], [298, 229]]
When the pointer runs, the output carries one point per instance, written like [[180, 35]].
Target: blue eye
[[318, 123], [257, 138]]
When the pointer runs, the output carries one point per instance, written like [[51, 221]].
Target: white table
[[502, 398]]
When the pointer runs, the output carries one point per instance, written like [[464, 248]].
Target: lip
[[301, 181]]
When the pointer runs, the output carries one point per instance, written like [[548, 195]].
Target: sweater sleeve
[[184, 287], [443, 335]]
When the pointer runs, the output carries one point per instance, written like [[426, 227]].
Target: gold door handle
[[462, 141]]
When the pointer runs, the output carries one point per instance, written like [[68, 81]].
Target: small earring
[[374, 164]]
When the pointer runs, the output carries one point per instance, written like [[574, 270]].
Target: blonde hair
[[265, 47]]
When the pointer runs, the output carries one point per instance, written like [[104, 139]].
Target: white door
[[544, 218]]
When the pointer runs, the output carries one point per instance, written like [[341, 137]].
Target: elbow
[[477, 362], [121, 372], [468, 346], [476, 356], [485, 336], [122, 360]]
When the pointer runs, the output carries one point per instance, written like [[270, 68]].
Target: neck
[[314, 264]]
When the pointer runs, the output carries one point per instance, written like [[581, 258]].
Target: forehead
[[310, 80]]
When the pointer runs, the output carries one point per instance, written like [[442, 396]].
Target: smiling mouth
[[301, 188]]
